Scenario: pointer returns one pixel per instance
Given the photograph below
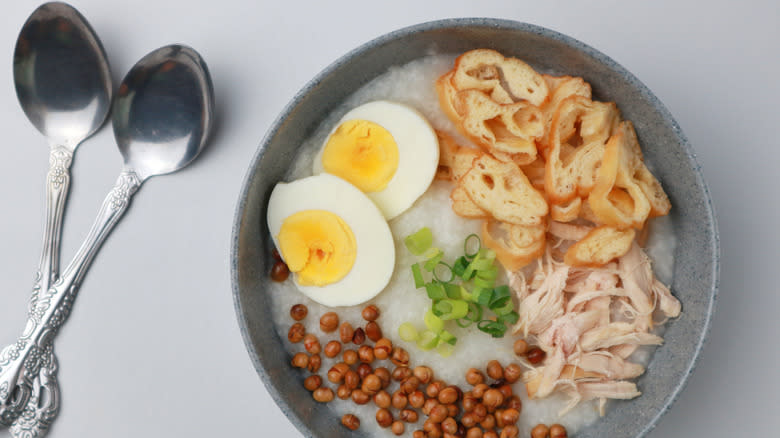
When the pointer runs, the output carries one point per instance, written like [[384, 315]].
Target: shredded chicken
[[539, 309], [589, 321], [617, 333], [608, 364]]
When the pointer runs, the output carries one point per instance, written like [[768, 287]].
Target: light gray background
[[153, 347]]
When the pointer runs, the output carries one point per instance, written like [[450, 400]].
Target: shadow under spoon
[[162, 116], [63, 83]]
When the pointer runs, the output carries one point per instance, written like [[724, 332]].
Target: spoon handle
[[20, 362], [57, 185], [43, 405], [114, 206]]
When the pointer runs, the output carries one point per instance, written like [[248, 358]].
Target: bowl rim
[[468, 22]]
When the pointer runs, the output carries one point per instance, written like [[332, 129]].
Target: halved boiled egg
[[387, 150], [333, 238]]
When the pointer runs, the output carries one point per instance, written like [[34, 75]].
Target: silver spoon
[[63, 84], [162, 117]]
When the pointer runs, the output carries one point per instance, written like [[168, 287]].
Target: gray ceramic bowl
[[696, 256]]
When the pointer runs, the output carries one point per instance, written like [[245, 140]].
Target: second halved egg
[[387, 150]]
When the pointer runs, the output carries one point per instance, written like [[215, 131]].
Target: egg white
[[418, 153], [375, 257]]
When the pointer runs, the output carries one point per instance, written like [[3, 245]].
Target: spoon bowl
[[61, 74], [164, 111]]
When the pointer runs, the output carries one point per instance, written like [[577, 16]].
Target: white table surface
[[153, 347]]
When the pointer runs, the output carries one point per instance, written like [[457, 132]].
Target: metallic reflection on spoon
[[163, 111], [61, 75]]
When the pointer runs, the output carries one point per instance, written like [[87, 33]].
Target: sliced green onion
[[488, 274], [418, 277], [464, 322], [478, 264], [487, 253], [481, 264], [451, 309], [417, 243], [452, 291], [465, 294], [460, 265], [510, 318], [408, 332], [500, 303], [434, 260], [462, 301], [505, 309], [502, 291], [432, 251], [440, 272], [468, 274], [435, 290], [433, 322], [448, 337], [484, 283], [493, 328], [428, 340], [475, 312], [439, 310], [472, 241], [482, 296], [445, 350], [500, 296]]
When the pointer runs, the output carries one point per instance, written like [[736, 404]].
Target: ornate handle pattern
[[44, 403], [21, 362], [57, 185]]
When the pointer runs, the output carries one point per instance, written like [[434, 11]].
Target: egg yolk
[[318, 246], [363, 153]]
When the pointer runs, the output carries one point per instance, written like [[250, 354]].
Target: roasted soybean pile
[[467, 246]]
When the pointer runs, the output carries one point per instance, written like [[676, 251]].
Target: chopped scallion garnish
[[448, 337], [464, 322], [471, 246], [500, 296], [482, 296], [435, 290], [505, 309], [460, 265], [509, 318], [434, 260], [408, 332], [475, 312], [419, 242], [428, 340], [483, 283], [452, 291], [493, 328], [443, 272], [433, 322], [451, 309], [418, 277], [445, 350], [459, 292]]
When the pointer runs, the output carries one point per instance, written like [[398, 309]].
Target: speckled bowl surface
[[665, 146]]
